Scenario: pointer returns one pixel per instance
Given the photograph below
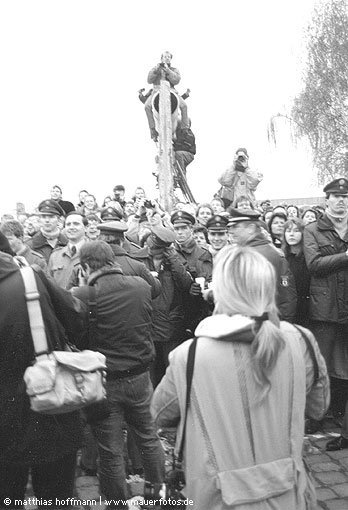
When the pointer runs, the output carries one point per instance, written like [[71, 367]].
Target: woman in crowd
[[276, 228], [247, 453], [90, 206], [292, 211], [92, 231], [293, 250], [309, 216], [204, 212], [200, 234], [217, 205], [243, 202]]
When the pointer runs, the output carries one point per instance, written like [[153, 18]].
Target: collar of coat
[[323, 223], [107, 270], [187, 246], [235, 328]]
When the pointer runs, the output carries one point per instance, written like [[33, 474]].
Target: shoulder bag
[[59, 381]]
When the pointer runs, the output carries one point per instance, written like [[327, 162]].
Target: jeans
[[51, 481], [184, 158], [129, 400]]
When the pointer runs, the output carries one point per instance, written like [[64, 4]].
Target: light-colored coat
[[239, 454], [236, 183]]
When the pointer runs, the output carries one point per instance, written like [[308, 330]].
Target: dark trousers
[[52, 481], [129, 401]]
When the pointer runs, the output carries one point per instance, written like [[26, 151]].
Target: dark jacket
[[328, 266], [185, 141], [286, 297], [168, 310], [298, 267], [132, 267], [39, 243], [198, 262], [27, 437], [123, 318]]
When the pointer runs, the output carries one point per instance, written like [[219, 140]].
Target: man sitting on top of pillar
[[171, 74]]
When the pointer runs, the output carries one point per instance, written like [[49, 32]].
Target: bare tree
[[319, 113]]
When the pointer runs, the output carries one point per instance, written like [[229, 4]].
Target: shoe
[[312, 426], [87, 471], [339, 443]]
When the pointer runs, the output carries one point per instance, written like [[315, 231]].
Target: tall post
[[165, 176]]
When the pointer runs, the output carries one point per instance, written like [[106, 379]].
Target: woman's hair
[[314, 211], [272, 218], [244, 282], [295, 207], [292, 222], [204, 204], [218, 199], [242, 198], [200, 228], [95, 200]]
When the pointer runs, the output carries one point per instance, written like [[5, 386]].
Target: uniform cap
[[182, 218], [161, 237], [338, 186], [113, 226], [110, 213], [237, 215], [217, 223], [50, 207]]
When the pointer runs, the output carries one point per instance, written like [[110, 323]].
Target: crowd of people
[[233, 272]]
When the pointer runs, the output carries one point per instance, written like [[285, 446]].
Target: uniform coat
[[327, 263]]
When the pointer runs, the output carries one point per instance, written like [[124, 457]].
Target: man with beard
[[326, 253], [239, 179], [49, 236]]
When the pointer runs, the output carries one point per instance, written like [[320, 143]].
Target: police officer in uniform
[[326, 253], [198, 262], [49, 237], [217, 233], [168, 326]]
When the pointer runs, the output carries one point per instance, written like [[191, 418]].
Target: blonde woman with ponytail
[[253, 381]]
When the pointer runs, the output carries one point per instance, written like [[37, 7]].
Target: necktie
[[73, 250]]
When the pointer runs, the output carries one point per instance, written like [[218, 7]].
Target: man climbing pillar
[[165, 71]]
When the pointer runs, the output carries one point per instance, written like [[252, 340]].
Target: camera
[[148, 204]]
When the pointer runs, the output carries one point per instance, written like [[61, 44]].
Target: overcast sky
[[71, 69]]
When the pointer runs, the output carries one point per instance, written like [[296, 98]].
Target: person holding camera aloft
[[164, 70], [239, 179]]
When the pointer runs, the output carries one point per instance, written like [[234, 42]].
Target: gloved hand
[[195, 289]]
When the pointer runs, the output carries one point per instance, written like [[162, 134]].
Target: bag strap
[[312, 354], [92, 317], [189, 377], [37, 327]]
